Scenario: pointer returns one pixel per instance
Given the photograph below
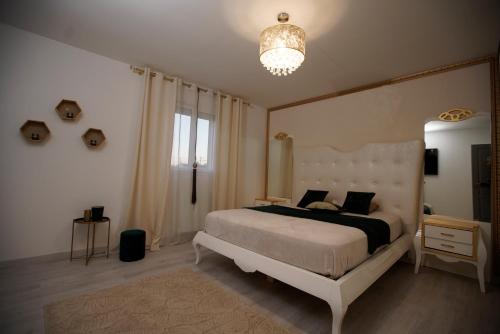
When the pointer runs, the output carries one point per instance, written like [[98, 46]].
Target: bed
[[329, 261], [326, 249]]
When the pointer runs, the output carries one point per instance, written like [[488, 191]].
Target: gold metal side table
[[93, 224]]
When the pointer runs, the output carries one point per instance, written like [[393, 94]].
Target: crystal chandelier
[[282, 47]]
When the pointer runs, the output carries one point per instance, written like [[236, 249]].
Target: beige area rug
[[182, 301]]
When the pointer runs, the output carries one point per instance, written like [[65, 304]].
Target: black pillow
[[312, 196], [358, 202]]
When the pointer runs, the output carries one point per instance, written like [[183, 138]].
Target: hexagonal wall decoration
[[93, 138], [35, 131], [68, 110]]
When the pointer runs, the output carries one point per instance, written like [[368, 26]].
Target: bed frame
[[393, 171]]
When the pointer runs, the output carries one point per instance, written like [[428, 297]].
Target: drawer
[[448, 234], [449, 246]]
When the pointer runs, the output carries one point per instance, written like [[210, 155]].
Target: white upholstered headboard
[[393, 171]]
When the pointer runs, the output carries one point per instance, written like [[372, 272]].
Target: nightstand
[[270, 201], [82, 221], [451, 240]]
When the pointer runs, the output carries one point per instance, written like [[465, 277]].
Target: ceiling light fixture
[[282, 47]]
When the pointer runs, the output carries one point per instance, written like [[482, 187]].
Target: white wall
[[45, 186], [450, 192]]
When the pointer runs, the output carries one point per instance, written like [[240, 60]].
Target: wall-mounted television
[[431, 161]]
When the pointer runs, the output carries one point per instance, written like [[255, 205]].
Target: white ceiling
[[478, 122], [215, 42]]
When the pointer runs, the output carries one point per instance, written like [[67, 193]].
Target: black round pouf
[[132, 245]]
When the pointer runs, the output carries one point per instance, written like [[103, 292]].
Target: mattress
[[323, 248]]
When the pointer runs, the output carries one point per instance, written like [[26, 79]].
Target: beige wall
[[390, 113], [253, 147], [385, 114]]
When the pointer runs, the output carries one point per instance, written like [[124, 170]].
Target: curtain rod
[[141, 71]]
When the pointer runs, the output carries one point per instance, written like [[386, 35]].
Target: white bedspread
[[324, 248]]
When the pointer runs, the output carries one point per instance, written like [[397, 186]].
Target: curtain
[[193, 139], [148, 207], [227, 152], [180, 125]]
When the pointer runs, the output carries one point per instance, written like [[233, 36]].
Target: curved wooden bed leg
[[338, 312], [197, 252]]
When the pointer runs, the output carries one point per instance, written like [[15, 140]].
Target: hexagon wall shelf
[[93, 138], [35, 131], [68, 110]]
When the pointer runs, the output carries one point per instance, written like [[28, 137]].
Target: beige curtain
[[228, 128], [148, 206], [193, 140]]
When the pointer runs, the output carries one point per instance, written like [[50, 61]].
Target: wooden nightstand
[[270, 201], [451, 240]]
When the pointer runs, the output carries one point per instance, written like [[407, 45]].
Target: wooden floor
[[399, 302]]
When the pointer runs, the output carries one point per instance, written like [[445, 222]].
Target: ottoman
[[132, 245]]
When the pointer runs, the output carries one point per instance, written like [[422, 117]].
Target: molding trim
[[418, 75], [59, 256]]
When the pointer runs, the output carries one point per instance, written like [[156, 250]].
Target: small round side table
[[92, 223]]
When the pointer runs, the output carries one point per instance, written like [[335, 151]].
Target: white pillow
[[323, 206], [335, 206], [373, 207]]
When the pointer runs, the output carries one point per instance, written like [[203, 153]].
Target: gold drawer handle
[[447, 246], [447, 235]]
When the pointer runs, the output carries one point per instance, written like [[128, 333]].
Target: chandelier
[[282, 47]]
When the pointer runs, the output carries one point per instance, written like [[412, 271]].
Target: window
[[204, 140], [180, 144], [183, 145]]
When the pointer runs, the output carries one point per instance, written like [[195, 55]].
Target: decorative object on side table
[[91, 218], [68, 110], [93, 138], [35, 131], [87, 215], [451, 240], [97, 212]]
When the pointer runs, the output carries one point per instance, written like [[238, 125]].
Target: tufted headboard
[[393, 171]]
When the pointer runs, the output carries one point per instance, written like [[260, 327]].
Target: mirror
[[280, 166], [457, 180]]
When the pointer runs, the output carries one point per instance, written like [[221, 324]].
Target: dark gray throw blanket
[[376, 230]]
